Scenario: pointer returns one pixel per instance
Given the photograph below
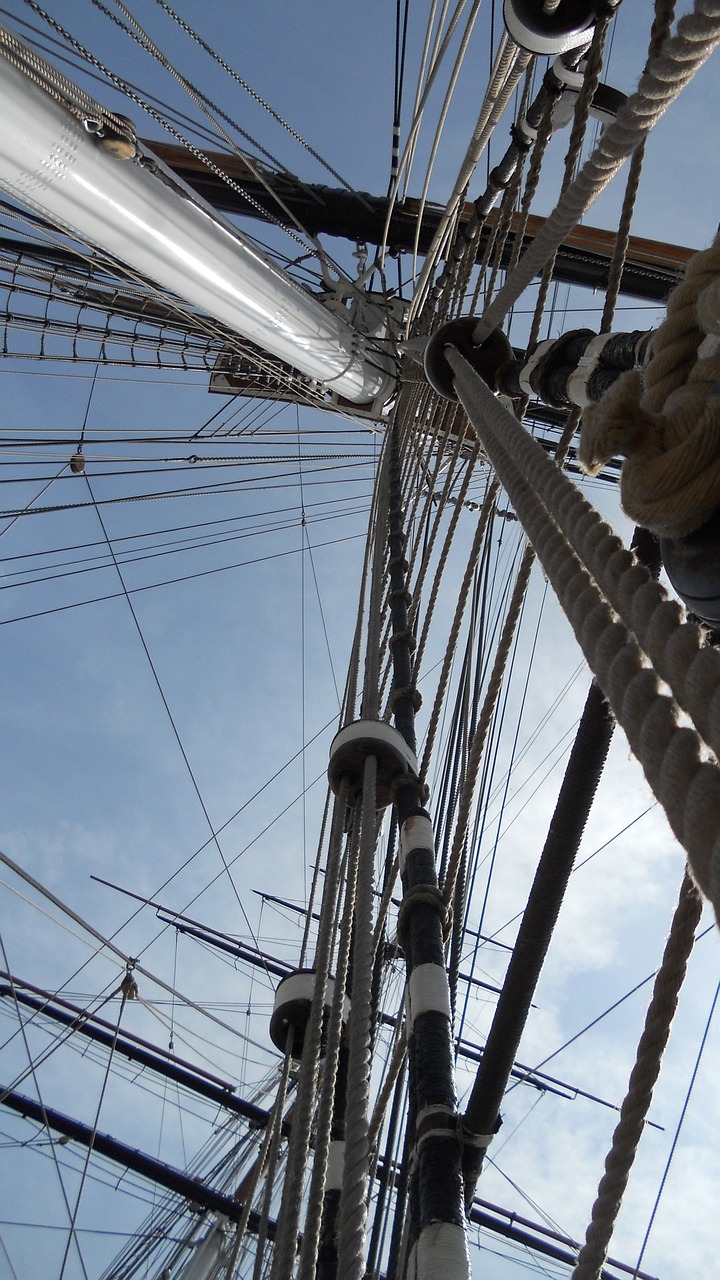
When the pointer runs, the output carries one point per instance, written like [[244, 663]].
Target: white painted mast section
[[50, 163]]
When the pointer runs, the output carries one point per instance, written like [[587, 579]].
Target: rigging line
[[611, 1009], [42, 1104], [678, 1129], [121, 272], [356, 511], [205, 490], [680, 59], [178, 528], [206, 105], [170, 716], [15, 515], [139, 100], [401, 30], [303, 532], [127, 983], [545, 1217], [260, 101], [53, 48], [188, 577], [83, 1231], [426, 57], [449, 93], [108, 943], [492, 937], [350, 462], [3, 1246], [510, 64], [217, 877], [172, 549], [416, 122]]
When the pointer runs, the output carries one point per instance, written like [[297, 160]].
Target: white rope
[[409, 148], [477, 745], [439, 128], [352, 1213], [299, 1145], [675, 647], [322, 1142], [680, 58], [510, 64], [487, 511], [673, 758], [643, 1077]]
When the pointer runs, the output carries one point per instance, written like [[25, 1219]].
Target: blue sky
[[94, 779]]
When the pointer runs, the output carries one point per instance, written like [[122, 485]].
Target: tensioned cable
[[170, 716], [21, 1021], [427, 58], [231, 521], [170, 550], [110, 945], [195, 491], [510, 63], [89, 1150], [256, 97], [681, 1121], [195, 321], [167, 582], [206, 105], [416, 122], [442, 119], [680, 59]]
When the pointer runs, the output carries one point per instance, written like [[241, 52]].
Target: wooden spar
[[652, 267]]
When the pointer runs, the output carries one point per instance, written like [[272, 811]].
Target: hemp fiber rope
[[674, 647], [673, 758], [633, 1112], [670, 431], [681, 57], [299, 1144], [325, 1118], [352, 1213]]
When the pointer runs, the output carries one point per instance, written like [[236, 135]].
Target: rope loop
[[421, 789], [667, 425], [427, 895], [407, 691]]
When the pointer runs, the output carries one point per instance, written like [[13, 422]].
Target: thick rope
[[477, 745], [299, 1145], [487, 511], [669, 73], [675, 648], [670, 433], [395, 1066], [444, 556], [660, 30], [321, 1144], [268, 1160], [431, 540], [643, 1077], [581, 116], [673, 758], [510, 65], [352, 1213]]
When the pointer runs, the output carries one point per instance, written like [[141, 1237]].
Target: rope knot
[[670, 431], [427, 895]]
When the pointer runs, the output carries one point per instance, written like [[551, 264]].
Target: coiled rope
[[667, 425]]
